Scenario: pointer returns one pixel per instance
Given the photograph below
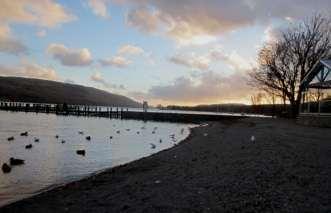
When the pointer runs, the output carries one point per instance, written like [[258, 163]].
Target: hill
[[44, 91]]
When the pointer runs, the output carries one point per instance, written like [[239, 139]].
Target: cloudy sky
[[164, 51]]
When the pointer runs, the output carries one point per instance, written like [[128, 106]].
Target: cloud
[[143, 19], [130, 50], [29, 70], [192, 61], [70, 57], [97, 78], [8, 44], [196, 20], [207, 87], [41, 33], [233, 60], [116, 61], [44, 13], [99, 7]]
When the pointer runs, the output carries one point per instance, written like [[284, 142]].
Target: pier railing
[[114, 112]]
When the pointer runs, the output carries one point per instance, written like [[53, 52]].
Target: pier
[[116, 112]]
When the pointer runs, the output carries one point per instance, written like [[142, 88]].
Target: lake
[[50, 162]]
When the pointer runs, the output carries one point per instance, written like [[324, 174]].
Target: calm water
[[50, 163]]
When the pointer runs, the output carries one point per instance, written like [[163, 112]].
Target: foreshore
[[218, 168]]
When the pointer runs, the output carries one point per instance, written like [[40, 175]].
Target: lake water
[[50, 162]]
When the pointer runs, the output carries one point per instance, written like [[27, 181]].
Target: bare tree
[[284, 63]]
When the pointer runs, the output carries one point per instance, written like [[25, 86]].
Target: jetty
[[118, 112]]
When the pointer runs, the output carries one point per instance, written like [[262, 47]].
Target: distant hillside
[[43, 91]]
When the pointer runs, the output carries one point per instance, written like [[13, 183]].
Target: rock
[[16, 161], [5, 168]]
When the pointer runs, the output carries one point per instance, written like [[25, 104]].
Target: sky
[[185, 52]]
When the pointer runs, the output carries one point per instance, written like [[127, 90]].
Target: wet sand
[[216, 169]]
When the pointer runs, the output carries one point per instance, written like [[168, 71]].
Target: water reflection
[[51, 162]]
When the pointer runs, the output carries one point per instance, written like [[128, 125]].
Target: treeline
[[264, 109]]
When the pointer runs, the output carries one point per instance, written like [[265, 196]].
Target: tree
[[284, 63]]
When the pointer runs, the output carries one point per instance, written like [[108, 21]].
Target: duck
[[138, 132], [88, 138], [81, 132], [36, 140], [10, 138], [5, 168], [111, 137], [127, 129], [153, 132], [24, 134], [118, 131], [16, 161], [160, 140], [29, 146], [153, 146], [80, 152], [56, 136], [63, 141]]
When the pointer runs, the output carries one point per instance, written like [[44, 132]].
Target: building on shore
[[315, 108]]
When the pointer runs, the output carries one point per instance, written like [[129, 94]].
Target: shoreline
[[95, 173], [216, 168]]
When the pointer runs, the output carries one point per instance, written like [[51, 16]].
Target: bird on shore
[[36, 140], [15, 161], [10, 138], [29, 146], [5, 168], [153, 146], [253, 138], [182, 131], [88, 138], [24, 134], [81, 152]]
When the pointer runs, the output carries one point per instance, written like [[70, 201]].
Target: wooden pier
[[114, 112]]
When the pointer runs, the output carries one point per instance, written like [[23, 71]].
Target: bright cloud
[[130, 50], [45, 13], [29, 70], [70, 57], [191, 61], [207, 87], [99, 7], [116, 61]]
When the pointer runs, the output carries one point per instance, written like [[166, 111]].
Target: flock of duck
[[7, 167]]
